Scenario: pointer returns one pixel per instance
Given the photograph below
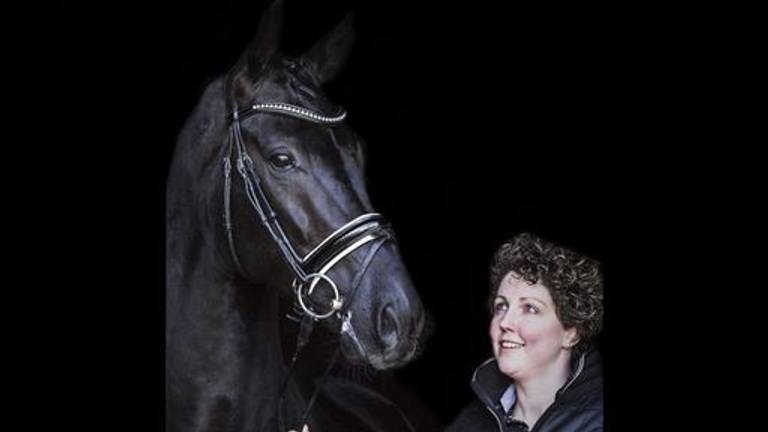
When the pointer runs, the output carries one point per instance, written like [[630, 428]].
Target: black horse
[[266, 206]]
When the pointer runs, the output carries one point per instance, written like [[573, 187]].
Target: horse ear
[[267, 40], [330, 53]]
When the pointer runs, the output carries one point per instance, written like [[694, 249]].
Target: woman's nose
[[509, 320]]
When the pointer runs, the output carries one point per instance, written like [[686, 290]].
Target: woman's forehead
[[513, 287]]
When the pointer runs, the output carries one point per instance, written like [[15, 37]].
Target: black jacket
[[578, 405]]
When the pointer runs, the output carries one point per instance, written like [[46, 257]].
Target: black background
[[481, 122]]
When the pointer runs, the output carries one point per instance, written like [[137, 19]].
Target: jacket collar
[[490, 384]]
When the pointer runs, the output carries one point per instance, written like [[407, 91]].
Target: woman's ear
[[571, 338]]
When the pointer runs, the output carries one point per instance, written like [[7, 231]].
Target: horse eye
[[282, 160]]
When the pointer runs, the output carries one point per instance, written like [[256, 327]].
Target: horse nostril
[[388, 327]]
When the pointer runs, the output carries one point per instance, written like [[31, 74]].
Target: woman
[[546, 304]]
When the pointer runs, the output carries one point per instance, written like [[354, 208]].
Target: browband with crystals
[[291, 110]]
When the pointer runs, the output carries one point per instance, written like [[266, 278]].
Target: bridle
[[313, 267]]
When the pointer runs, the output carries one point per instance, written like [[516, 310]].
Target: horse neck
[[224, 352]]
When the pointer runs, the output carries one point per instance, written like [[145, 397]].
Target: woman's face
[[527, 336]]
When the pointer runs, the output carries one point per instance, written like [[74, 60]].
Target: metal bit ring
[[313, 280]]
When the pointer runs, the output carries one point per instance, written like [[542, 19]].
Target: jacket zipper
[[485, 404], [498, 420]]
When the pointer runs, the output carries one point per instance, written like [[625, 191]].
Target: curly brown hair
[[574, 281]]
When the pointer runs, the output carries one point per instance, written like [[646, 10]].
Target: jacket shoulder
[[586, 416]]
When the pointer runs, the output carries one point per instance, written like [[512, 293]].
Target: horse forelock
[[282, 80]]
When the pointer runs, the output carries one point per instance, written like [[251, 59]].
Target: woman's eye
[[529, 308], [500, 307], [282, 160]]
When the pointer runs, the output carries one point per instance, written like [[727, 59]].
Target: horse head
[[298, 219]]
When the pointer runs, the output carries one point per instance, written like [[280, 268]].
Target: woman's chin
[[508, 366]]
